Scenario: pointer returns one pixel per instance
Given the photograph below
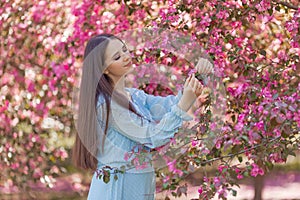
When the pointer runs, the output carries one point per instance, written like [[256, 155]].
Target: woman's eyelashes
[[124, 50]]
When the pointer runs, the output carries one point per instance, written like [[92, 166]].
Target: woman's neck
[[120, 88], [119, 85]]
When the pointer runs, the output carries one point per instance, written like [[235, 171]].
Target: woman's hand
[[204, 66], [192, 89]]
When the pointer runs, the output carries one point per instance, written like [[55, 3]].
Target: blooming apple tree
[[253, 44]]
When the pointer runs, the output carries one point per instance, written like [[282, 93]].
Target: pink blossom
[[217, 181], [292, 25], [239, 126], [241, 117], [141, 166], [171, 165], [194, 143], [266, 76], [222, 192], [37, 173], [15, 166], [263, 5], [126, 156], [223, 14], [218, 144], [259, 125], [205, 21], [253, 136], [179, 172], [213, 126], [239, 176], [282, 55], [200, 190], [221, 168], [166, 179], [256, 170]]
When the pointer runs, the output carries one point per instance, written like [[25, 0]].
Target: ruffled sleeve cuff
[[181, 113]]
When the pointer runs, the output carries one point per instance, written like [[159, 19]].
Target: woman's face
[[118, 59]]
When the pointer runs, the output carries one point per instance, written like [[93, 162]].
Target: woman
[[113, 119]]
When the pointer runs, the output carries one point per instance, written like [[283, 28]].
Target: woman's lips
[[128, 65]]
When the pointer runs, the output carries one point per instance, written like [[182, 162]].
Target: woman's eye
[[117, 58]]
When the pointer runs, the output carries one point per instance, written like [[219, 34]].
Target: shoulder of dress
[[132, 90], [137, 94]]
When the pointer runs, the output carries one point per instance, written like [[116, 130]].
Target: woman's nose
[[126, 56]]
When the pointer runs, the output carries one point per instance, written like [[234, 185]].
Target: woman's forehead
[[113, 46], [114, 43]]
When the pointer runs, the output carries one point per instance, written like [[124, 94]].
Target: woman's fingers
[[204, 66], [207, 67], [199, 89], [196, 86], [187, 82], [193, 82]]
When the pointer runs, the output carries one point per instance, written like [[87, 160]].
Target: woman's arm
[[158, 106], [142, 131]]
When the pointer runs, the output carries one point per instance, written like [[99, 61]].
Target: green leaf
[[233, 118], [100, 176], [253, 96], [253, 56], [106, 178], [284, 134], [245, 138], [231, 58], [165, 186], [263, 52], [292, 153], [167, 198], [234, 192], [122, 169], [115, 177], [240, 158], [197, 160], [270, 11], [173, 187], [269, 165], [212, 187]]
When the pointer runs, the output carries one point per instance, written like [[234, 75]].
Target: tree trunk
[[258, 187]]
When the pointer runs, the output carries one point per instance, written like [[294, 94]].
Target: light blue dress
[[125, 131]]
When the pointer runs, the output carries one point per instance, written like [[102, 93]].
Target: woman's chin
[[129, 69]]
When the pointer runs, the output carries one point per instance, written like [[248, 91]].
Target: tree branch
[[286, 4], [231, 155], [241, 152]]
